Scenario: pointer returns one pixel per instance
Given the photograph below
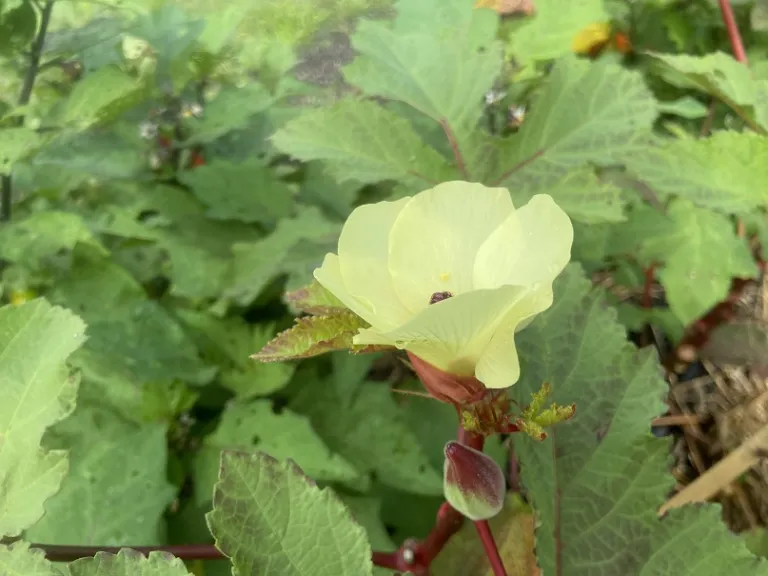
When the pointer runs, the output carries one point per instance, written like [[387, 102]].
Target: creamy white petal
[[499, 366], [363, 254], [453, 334], [329, 275], [433, 243], [532, 246]]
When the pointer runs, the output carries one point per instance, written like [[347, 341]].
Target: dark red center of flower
[[439, 297]]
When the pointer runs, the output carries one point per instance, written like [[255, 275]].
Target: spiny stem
[[484, 530], [6, 186], [733, 31]]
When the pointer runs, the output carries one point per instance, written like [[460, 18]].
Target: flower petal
[[499, 366], [533, 245], [363, 254], [453, 334], [329, 275], [433, 243]]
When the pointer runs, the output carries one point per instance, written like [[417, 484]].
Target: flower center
[[439, 297]]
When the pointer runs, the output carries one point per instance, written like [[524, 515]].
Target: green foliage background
[[173, 268]]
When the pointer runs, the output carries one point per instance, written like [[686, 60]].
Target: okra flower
[[451, 274]]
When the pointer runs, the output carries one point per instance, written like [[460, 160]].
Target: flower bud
[[473, 483]]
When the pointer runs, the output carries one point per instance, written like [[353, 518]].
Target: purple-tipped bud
[[473, 483]]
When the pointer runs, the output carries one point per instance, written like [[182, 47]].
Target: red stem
[[484, 530], [647, 298], [733, 31]]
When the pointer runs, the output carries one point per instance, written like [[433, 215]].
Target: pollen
[[445, 276]]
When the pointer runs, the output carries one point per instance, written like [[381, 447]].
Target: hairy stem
[[484, 530], [6, 185]]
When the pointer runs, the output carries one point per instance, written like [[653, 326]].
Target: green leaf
[[315, 299], [597, 481], [129, 561], [720, 172], [369, 431], [15, 145], [19, 558], [101, 95], [230, 110], [258, 263], [17, 27], [442, 69], [134, 335], [35, 341], [283, 435], [588, 113], [549, 33], [116, 491], [43, 234], [321, 189], [703, 256], [269, 518], [104, 155], [513, 531], [584, 197], [716, 74], [313, 335], [364, 142], [248, 192], [229, 344], [685, 107]]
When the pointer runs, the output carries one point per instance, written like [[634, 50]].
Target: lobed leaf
[[589, 113], [117, 489], [284, 435], [270, 519], [35, 341], [598, 479], [722, 172], [717, 74], [442, 70], [248, 192], [701, 260], [362, 141]]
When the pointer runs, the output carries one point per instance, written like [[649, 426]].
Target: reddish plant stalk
[[650, 274], [733, 31], [491, 550]]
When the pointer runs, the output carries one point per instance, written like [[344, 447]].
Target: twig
[[6, 187], [491, 549], [455, 147], [676, 420], [722, 473], [733, 31]]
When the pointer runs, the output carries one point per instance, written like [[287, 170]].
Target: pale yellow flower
[[465, 239]]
